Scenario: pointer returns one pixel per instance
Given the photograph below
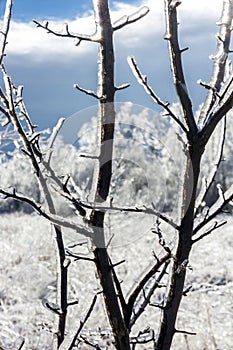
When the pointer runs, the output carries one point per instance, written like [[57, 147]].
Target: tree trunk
[[178, 268], [106, 93]]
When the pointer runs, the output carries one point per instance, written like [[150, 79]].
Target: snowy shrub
[[16, 173]]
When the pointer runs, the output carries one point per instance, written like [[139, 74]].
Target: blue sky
[[25, 10], [48, 66]]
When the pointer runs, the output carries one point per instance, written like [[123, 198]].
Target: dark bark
[[106, 92], [181, 256]]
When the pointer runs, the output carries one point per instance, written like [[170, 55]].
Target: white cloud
[[49, 66], [26, 39]]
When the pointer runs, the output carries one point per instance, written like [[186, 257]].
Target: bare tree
[[218, 102], [123, 313]]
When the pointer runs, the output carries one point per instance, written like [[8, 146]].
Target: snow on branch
[[23, 111], [212, 228], [208, 182], [223, 106], [55, 219], [139, 288], [147, 297], [126, 20], [216, 209], [87, 92], [143, 209], [142, 79], [52, 139], [65, 33], [176, 63], [220, 60], [13, 117], [5, 28], [71, 339]]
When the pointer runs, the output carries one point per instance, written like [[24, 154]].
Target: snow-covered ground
[[28, 274]]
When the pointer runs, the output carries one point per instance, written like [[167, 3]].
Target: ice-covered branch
[[122, 87], [23, 111], [55, 219], [10, 108], [126, 20], [70, 340], [216, 208], [213, 227], [139, 288], [220, 60], [147, 297], [87, 92], [143, 209], [176, 63], [67, 34], [52, 139], [5, 28], [223, 106], [208, 182], [143, 81], [118, 287], [63, 189]]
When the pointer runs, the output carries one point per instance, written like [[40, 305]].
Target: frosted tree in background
[[168, 270]]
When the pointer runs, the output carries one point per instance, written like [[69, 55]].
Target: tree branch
[[142, 283], [216, 208], [126, 20], [215, 226], [147, 297], [55, 219], [144, 209], [220, 60], [52, 139], [119, 289], [143, 81], [87, 92], [176, 63], [223, 107], [68, 343], [67, 34], [5, 28], [212, 174]]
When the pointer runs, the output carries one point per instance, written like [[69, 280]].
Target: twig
[[67, 33], [147, 297], [69, 344], [72, 303], [220, 60], [141, 338], [87, 92], [176, 64], [52, 139], [208, 232], [185, 332], [5, 28], [77, 257], [63, 189], [212, 174], [222, 108], [142, 283], [126, 20], [55, 219], [16, 123], [143, 81], [119, 290], [86, 341], [144, 209], [122, 87], [216, 209], [23, 110]]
